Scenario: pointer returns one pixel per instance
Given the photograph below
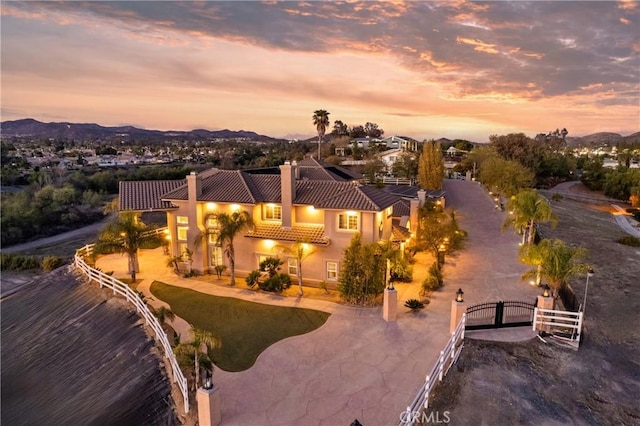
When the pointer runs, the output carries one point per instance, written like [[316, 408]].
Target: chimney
[[413, 215], [422, 194], [288, 193], [194, 186]]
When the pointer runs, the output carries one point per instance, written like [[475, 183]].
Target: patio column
[[209, 407]]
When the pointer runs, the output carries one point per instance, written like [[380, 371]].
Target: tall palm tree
[[526, 209], [300, 250], [230, 225], [321, 121], [194, 348], [559, 263], [125, 233]]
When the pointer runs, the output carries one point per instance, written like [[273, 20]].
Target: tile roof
[[401, 208], [235, 186], [399, 234], [310, 233], [146, 195]]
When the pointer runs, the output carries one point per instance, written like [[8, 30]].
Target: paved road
[[357, 366], [88, 230]]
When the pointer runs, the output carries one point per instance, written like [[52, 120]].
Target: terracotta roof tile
[[146, 195], [310, 233], [399, 234]]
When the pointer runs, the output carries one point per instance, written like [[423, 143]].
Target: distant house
[[309, 201], [401, 142]]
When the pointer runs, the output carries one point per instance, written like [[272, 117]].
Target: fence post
[[441, 360]]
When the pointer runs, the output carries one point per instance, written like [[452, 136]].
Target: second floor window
[[272, 212], [348, 221]]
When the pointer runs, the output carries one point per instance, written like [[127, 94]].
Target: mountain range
[[30, 128]]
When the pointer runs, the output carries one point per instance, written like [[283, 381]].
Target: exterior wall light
[[459, 296]]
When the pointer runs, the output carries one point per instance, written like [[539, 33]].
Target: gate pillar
[[390, 305], [544, 303], [457, 309]]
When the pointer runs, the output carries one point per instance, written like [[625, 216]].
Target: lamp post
[[586, 288], [459, 296]]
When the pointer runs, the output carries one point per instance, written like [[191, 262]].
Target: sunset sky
[[423, 69]]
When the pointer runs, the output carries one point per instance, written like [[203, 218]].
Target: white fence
[[142, 309], [563, 324], [448, 356]]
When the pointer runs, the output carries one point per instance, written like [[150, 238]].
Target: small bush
[[436, 272], [630, 241], [323, 286], [49, 263], [429, 284], [414, 304], [14, 262], [556, 197], [253, 278], [276, 283], [636, 215]]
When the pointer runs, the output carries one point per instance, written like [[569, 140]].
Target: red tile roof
[[146, 195], [310, 233]]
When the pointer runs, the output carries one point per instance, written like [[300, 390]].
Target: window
[[332, 271], [183, 220], [182, 233], [272, 212], [184, 249], [215, 256], [292, 265], [212, 222], [348, 221], [213, 237]]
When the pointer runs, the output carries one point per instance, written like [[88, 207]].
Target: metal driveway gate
[[510, 313]]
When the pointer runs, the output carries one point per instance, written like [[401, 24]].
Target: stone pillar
[[209, 407], [457, 309], [544, 303], [390, 304]]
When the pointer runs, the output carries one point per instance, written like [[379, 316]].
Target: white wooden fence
[[448, 356], [566, 325], [132, 297]]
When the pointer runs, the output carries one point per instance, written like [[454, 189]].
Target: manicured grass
[[244, 328]]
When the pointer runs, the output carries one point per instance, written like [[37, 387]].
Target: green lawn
[[244, 328]]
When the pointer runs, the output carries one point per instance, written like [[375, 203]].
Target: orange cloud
[[480, 46]]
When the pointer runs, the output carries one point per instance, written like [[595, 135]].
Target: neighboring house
[[401, 142], [389, 157], [308, 201], [364, 143]]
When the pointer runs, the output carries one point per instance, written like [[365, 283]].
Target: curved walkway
[[357, 366]]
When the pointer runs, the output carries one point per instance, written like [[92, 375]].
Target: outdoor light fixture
[[545, 293], [586, 289], [459, 296]]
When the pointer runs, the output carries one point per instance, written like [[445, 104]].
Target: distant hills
[[30, 128]]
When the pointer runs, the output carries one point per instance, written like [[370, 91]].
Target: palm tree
[[163, 314], [559, 263], [300, 250], [321, 121], [526, 209], [194, 348], [126, 233], [229, 226], [532, 254]]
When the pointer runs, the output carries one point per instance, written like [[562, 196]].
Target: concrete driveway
[[357, 366]]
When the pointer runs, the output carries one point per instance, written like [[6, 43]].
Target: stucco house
[[309, 201]]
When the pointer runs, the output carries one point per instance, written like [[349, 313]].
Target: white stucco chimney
[[422, 196]]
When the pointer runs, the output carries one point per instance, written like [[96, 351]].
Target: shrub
[[49, 263], [253, 278], [414, 304], [630, 241], [276, 283], [556, 197], [636, 215], [436, 272], [220, 270], [14, 262], [323, 286], [429, 284]]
